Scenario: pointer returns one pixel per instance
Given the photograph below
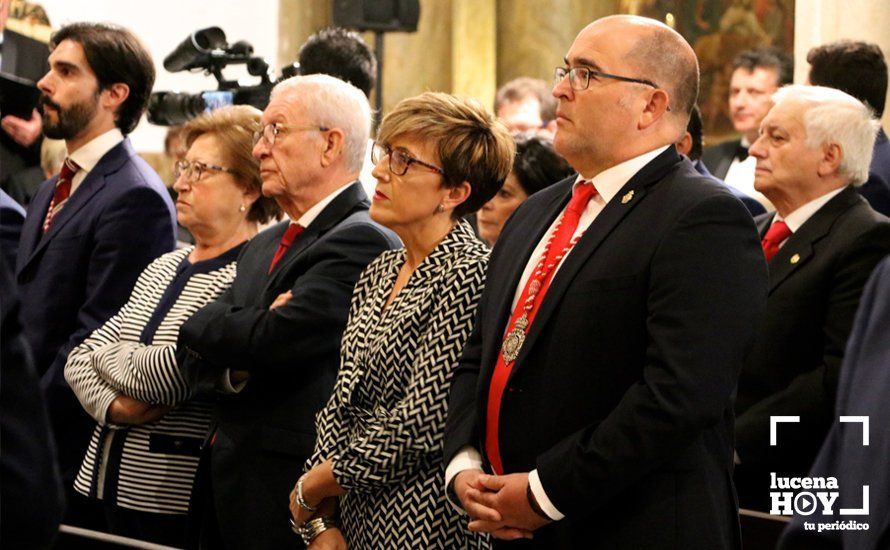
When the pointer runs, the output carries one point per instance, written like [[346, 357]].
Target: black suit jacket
[[816, 280], [718, 158], [76, 276], [12, 217], [267, 431], [26, 58], [621, 395]]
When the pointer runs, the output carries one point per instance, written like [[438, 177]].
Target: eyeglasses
[[270, 131], [193, 170], [579, 77], [399, 161]]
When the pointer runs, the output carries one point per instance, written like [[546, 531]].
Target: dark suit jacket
[[76, 276], [267, 431], [877, 189], [862, 391], [621, 395], [12, 216], [27, 58], [31, 500], [719, 157], [816, 280], [752, 204]]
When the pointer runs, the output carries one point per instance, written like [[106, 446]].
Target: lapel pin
[[795, 258], [628, 197]]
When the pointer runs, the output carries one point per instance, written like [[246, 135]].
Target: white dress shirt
[[607, 184], [741, 176], [90, 153], [796, 219]]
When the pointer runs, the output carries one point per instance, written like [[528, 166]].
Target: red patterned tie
[[559, 245], [291, 233], [63, 190], [778, 232]]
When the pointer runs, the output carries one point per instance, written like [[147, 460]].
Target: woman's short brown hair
[[472, 145], [234, 126]]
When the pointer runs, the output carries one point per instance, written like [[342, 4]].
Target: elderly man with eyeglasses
[[593, 404], [274, 337]]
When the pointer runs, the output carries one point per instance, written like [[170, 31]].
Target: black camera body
[[207, 50]]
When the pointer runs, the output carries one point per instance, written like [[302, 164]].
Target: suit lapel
[[798, 250], [32, 230], [518, 259], [332, 214], [10, 53], [92, 184], [727, 158]]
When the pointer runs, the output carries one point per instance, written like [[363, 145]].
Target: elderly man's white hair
[[834, 116], [333, 103]]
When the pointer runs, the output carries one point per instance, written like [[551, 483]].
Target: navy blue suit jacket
[[78, 274], [752, 204], [862, 391], [12, 216], [877, 189]]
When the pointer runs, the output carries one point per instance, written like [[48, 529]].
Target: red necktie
[[291, 233], [63, 190], [526, 308], [778, 232]]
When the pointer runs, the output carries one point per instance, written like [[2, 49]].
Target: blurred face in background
[[492, 216], [750, 98], [522, 116]]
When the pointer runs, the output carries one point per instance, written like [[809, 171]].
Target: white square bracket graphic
[[773, 421], [861, 420]]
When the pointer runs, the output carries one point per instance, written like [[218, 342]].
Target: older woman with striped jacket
[[144, 451]]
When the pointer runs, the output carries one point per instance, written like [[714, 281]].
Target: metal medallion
[[514, 340]]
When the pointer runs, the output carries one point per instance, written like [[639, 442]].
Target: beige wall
[[821, 21], [461, 46]]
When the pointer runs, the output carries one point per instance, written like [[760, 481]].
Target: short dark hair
[[767, 58], [694, 127], [342, 54], [115, 55], [536, 164], [526, 87], [857, 68]]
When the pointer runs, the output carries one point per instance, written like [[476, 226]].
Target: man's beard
[[71, 120]]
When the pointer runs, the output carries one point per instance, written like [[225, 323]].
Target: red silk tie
[[529, 303], [63, 190], [291, 233], [778, 232]]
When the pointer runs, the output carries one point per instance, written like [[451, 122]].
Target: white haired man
[[821, 244], [275, 335]]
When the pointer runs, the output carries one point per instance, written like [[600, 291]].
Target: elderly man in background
[[756, 75], [599, 379], [274, 336], [821, 244], [526, 106]]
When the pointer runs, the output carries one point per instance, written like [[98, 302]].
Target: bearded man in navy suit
[[92, 230]]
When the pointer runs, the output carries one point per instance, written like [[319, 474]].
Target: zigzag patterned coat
[[383, 424]]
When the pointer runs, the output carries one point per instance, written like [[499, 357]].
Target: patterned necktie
[[523, 315], [778, 232], [63, 190], [291, 233]]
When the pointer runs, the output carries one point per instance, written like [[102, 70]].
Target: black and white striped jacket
[[149, 467]]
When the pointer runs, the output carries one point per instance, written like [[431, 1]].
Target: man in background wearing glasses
[[275, 335], [618, 309]]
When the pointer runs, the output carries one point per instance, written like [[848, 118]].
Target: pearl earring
[[440, 208], [242, 209]]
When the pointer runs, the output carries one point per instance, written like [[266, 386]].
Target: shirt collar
[[610, 181], [90, 153], [797, 218], [309, 216]]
